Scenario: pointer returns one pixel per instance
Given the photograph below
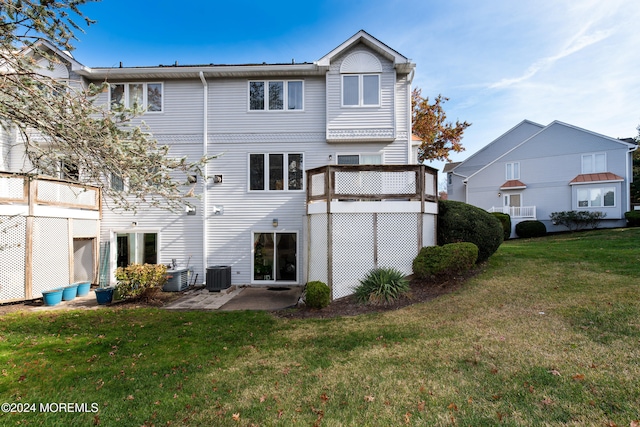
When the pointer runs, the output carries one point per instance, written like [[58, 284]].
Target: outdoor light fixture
[[133, 224], [330, 157], [499, 194], [275, 222]]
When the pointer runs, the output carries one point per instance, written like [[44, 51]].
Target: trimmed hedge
[[461, 222], [633, 218], [530, 228], [445, 261], [317, 294], [505, 220]]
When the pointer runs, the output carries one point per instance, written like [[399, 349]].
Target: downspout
[[629, 178], [205, 143], [410, 136]]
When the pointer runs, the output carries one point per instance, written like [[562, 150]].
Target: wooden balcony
[[371, 187]]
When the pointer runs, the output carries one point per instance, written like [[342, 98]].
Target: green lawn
[[547, 334]]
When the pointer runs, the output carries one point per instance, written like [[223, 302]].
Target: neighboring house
[[269, 123], [534, 170]]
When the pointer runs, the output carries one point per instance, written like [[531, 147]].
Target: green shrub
[[633, 218], [382, 286], [461, 222], [445, 261], [505, 220], [576, 220], [530, 228], [139, 280], [317, 294]]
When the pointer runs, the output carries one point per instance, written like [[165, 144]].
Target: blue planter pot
[[52, 297], [104, 295], [69, 292], [83, 288]]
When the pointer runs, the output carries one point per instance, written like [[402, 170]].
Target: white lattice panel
[[85, 228], [430, 184], [50, 254], [399, 182], [317, 184], [55, 192], [375, 182], [318, 266], [11, 188], [352, 251], [397, 240], [12, 258]]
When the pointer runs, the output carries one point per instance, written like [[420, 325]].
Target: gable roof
[[496, 148], [317, 68], [400, 62], [46, 45]]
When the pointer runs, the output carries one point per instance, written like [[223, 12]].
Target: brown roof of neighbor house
[[512, 184], [596, 177], [450, 166]]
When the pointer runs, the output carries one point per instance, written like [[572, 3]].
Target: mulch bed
[[421, 291]]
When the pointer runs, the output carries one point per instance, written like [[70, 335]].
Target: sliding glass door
[[275, 257]]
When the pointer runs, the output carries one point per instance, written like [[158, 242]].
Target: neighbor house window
[[513, 171], [360, 90], [275, 172], [144, 96], [596, 197], [116, 182], [594, 163], [277, 95]]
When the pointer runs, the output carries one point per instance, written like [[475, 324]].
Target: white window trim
[[276, 282], [266, 173], [593, 162], [603, 191], [285, 102], [506, 171], [360, 90], [144, 95], [113, 243]]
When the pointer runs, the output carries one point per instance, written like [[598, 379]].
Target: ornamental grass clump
[[140, 280], [382, 286]]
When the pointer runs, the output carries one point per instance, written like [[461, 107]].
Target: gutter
[[205, 143]]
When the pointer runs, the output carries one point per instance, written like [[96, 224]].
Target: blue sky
[[499, 61]]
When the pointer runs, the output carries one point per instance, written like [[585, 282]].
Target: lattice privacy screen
[[361, 242], [12, 254], [50, 254], [317, 184], [318, 253], [85, 228]]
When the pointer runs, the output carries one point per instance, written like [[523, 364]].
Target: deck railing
[[372, 183]]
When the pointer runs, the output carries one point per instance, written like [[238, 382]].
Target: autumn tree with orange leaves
[[439, 138]]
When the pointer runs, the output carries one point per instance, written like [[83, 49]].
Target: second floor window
[[276, 95], [512, 171], [594, 163], [360, 90], [275, 172], [144, 96]]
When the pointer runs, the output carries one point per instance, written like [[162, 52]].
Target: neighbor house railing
[[516, 211], [372, 183]]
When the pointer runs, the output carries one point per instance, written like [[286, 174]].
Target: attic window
[[361, 80]]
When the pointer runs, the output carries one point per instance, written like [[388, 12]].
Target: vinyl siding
[[229, 108], [180, 235], [339, 117]]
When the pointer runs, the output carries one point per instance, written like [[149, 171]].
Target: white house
[[269, 123], [533, 170]]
